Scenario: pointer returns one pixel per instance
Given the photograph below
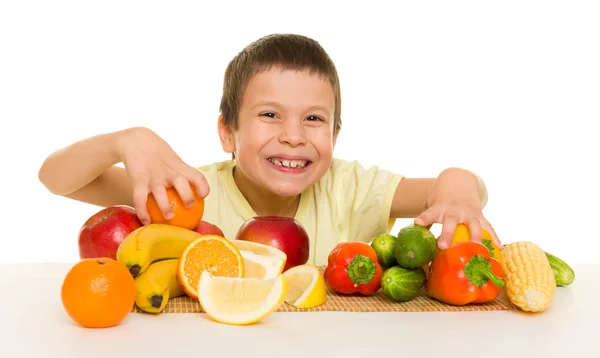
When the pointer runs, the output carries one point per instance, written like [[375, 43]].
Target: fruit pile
[[124, 263], [235, 281], [467, 272]]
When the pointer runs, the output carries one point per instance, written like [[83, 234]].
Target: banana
[[153, 242], [156, 285]]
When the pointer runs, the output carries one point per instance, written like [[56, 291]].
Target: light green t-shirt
[[349, 203]]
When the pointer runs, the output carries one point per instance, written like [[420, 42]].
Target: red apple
[[206, 228], [102, 233], [283, 233]]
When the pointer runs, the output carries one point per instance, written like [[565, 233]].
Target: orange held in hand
[[98, 292], [184, 217], [212, 253]]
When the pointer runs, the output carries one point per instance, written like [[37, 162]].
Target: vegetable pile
[[467, 272]]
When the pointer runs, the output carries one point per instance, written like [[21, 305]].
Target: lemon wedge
[[260, 260], [306, 286], [240, 301]]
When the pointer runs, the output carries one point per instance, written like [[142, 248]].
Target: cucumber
[[401, 284], [563, 273], [415, 246], [384, 245]]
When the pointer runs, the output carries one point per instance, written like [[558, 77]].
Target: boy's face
[[284, 142]]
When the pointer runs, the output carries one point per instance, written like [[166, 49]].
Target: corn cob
[[530, 282]]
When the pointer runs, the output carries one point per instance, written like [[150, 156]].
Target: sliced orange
[[260, 260], [212, 253]]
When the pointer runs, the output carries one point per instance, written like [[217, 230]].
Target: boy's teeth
[[288, 163]]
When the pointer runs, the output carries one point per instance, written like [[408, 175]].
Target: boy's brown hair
[[288, 51]]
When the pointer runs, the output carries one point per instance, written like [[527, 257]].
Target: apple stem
[[361, 269]]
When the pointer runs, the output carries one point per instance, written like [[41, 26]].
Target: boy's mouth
[[289, 163]]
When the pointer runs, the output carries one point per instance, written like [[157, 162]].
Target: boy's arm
[[415, 195], [455, 196], [410, 197], [86, 171]]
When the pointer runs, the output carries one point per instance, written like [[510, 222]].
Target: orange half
[[211, 253]]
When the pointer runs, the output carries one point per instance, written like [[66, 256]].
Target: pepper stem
[[361, 269], [488, 243], [479, 270]]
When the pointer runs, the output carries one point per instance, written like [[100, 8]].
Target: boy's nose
[[292, 133]]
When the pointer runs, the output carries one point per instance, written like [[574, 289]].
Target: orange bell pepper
[[464, 273]]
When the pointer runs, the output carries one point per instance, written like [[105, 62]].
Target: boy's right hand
[[153, 167]]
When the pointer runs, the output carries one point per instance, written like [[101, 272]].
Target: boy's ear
[[226, 136]]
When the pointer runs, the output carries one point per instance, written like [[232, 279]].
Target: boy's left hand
[[457, 197], [452, 213]]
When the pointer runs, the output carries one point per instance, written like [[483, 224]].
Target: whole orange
[[98, 292], [184, 217]]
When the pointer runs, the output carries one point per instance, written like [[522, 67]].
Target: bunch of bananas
[[151, 253]]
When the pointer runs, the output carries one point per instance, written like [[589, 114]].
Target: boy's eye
[[269, 114], [314, 118]]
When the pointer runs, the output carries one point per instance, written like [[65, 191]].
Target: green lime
[[415, 247], [384, 246], [402, 284]]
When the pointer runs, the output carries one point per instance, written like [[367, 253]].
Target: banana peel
[[151, 243], [157, 285]]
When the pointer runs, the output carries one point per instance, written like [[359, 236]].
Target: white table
[[34, 324]]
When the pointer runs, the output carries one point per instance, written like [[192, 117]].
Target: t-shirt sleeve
[[363, 198]]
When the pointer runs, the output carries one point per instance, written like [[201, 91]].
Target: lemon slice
[[240, 301], [306, 286], [260, 260]]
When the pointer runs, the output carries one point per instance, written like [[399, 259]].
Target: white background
[[507, 89]]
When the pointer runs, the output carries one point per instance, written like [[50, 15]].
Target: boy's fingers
[[474, 229], [160, 195], [184, 191], [425, 219], [448, 226], [495, 238], [199, 182], [140, 195]]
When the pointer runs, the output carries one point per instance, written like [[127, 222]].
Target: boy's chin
[[287, 190]]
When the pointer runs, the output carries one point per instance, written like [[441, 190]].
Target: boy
[[280, 118]]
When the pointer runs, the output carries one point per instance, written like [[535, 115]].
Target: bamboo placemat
[[376, 302]]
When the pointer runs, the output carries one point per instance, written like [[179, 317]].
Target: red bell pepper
[[352, 267], [465, 273]]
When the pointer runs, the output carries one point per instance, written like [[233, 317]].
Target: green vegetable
[[415, 247], [384, 245], [563, 273], [401, 284]]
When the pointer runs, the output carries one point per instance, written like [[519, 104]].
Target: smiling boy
[[280, 119]]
